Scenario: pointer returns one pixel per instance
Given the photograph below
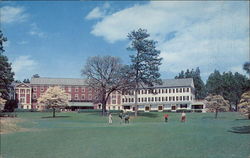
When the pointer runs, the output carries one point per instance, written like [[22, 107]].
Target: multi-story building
[[23, 95], [172, 95]]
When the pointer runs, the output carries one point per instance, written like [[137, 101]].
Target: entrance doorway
[[147, 108], [173, 108]]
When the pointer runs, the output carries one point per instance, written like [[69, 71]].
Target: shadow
[[148, 114], [240, 130], [56, 117], [241, 119]]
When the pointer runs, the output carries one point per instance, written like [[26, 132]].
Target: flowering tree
[[216, 103], [244, 106], [2, 103], [54, 97]]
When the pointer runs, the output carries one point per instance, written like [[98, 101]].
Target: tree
[[246, 67], [214, 83], [36, 76], [244, 106], [216, 103], [6, 74], [200, 89], [54, 97], [105, 74], [2, 103], [26, 81], [145, 63]]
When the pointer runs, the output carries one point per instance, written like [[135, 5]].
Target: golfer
[[183, 117], [110, 118]]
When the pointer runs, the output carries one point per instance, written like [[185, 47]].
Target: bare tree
[[54, 97], [216, 103], [105, 74], [244, 106]]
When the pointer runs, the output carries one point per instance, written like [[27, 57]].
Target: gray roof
[[184, 82], [57, 81]]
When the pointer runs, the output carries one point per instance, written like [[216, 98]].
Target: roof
[[57, 81], [184, 82]]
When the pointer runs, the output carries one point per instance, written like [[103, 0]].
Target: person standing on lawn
[[121, 116], [183, 117], [110, 118], [126, 117], [166, 117]]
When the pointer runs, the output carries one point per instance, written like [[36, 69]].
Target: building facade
[[172, 95]]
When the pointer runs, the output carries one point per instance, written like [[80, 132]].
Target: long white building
[[172, 95]]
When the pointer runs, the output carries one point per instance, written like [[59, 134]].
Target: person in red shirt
[[166, 117]]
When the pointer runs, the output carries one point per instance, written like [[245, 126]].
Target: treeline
[[227, 84]]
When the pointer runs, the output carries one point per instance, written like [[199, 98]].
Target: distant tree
[[244, 106], [26, 81], [230, 86], [214, 83], [18, 81], [2, 103], [105, 74], [54, 97], [6, 74], [36, 76], [145, 63], [216, 103], [246, 67], [200, 89]]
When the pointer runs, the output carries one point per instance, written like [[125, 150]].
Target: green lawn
[[87, 135]]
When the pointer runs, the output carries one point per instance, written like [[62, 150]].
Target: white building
[[172, 95]]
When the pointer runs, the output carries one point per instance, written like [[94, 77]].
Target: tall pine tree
[[145, 63]]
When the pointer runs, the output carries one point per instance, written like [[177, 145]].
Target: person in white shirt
[[183, 117], [110, 118]]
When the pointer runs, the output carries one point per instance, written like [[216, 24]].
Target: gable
[[22, 85]]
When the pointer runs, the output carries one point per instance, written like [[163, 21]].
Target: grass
[[87, 135]]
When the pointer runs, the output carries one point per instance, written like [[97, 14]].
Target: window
[[159, 91], [28, 91], [173, 98], [76, 89], [170, 98], [90, 97], [148, 99], [132, 99], [155, 98], [138, 91], [183, 106], [184, 90], [123, 100], [145, 99], [187, 89], [90, 89], [129, 100], [184, 98], [146, 91], [169, 90], [34, 89], [126, 100], [152, 99], [139, 99], [76, 96], [83, 97], [180, 98], [180, 90], [159, 99], [162, 91], [187, 97], [42, 89], [166, 90], [22, 91], [83, 89], [166, 98], [177, 90], [177, 98], [173, 90], [162, 99], [34, 96], [22, 100], [113, 102]]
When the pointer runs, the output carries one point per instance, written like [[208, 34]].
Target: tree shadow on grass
[[241, 119], [56, 116], [240, 130]]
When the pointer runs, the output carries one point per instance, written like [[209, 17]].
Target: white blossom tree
[[54, 97], [216, 103], [244, 106], [2, 103]]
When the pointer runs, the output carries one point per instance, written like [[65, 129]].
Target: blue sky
[[54, 39]]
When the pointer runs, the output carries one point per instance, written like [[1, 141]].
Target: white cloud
[[36, 31], [23, 64], [22, 42], [211, 35], [11, 14], [98, 12]]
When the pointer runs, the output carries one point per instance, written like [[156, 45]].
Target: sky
[[54, 39]]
